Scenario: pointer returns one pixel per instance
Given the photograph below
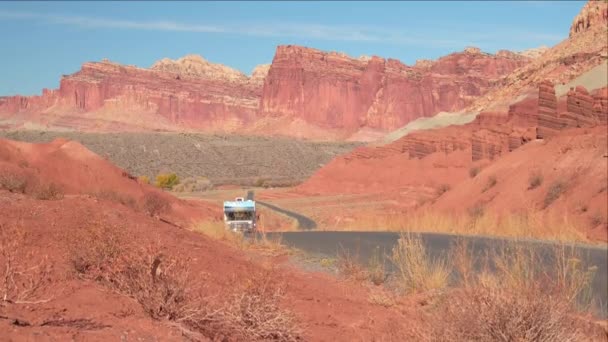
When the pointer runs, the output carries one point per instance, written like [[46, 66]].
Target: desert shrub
[[520, 300], [556, 189], [13, 182], [597, 219], [193, 185], [155, 203], [93, 250], [376, 269], [443, 188], [113, 196], [476, 211], [48, 192], [416, 270], [167, 180], [253, 313], [20, 281], [260, 182], [535, 180], [143, 179], [490, 183], [349, 267], [474, 171], [489, 313], [162, 284]]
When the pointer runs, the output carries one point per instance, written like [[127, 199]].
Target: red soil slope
[[78, 171], [69, 307]]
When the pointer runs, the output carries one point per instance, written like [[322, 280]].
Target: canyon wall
[[325, 90], [335, 91]]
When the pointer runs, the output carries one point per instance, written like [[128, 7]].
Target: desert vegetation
[[166, 180], [162, 284], [474, 171], [12, 181], [555, 190], [279, 162], [535, 180], [490, 183]]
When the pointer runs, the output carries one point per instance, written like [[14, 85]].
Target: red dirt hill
[[75, 170]]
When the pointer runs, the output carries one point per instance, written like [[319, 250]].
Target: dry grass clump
[[113, 196], [515, 297], [490, 183], [416, 270], [253, 312], [488, 313], [530, 223], [442, 189], [535, 180], [556, 189], [12, 181], [155, 204], [192, 184], [349, 267], [166, 290], [376, 269], [48, 192], [217, 231], [20, 282], [597, 219], [474, 171]]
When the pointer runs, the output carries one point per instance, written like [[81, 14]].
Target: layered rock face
[[582, 110], [593, 15], [335, 91], [326, 90], [189, 92]]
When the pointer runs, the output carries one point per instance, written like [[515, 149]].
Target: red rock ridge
[[180, 99], [594, 15], [332, 90]]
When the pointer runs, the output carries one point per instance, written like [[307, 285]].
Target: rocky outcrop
[[593, 16], [188, 97], [259, 73], [534, 52], [197, 66], [335, 91], [582, 110], [600, 106], [548, 121]]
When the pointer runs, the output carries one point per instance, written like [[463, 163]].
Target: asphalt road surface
[[304, 223], [363, 245]]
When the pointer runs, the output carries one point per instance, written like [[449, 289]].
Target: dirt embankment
[[58, 246]]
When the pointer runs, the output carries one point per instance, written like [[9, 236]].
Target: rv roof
[[249, 204]]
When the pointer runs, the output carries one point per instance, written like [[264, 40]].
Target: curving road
[[363, 245], [304, 223]]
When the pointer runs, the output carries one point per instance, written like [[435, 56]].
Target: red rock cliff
[[335, 91], [594, 15]]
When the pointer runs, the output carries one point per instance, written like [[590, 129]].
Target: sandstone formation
[[189, 92], [593, 15], [322, 90], [334, 91], [582, 110], [197, 66]]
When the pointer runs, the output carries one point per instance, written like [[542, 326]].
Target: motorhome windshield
[[240, 216]]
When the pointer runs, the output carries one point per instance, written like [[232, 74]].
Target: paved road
[[304, 223], [364, 244]]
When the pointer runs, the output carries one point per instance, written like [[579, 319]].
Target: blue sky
[[43, 40]]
